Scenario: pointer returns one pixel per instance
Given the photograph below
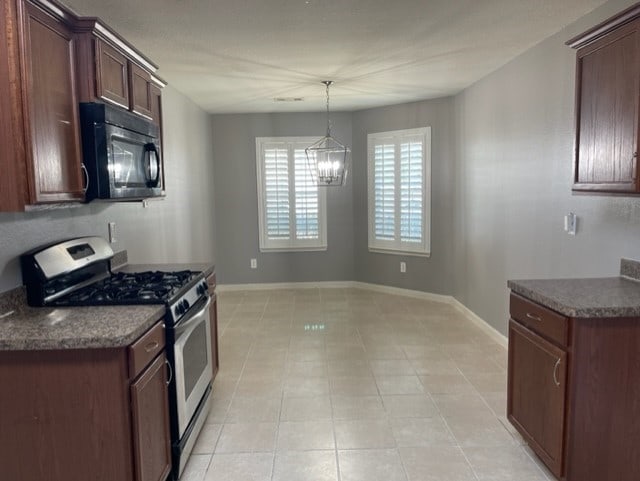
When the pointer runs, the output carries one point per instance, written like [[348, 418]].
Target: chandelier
[[327, 158]]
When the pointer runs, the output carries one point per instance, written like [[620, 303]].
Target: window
[[291, 207], [399, 174]]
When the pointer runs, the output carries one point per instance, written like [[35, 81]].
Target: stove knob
[[179, 310], [185, 305], [200, 290]]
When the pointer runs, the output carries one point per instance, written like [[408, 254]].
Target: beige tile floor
[[354, 385]]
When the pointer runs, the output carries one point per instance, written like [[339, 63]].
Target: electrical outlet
[[254, 263], [112, 232], [403, 267]]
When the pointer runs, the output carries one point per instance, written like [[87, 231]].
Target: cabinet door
[[140, 84], [537, 393], [607, 87], [150, 417], [112, 78], [156, 106], [13, 183], [51, 108]]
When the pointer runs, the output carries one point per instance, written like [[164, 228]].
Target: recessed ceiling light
[[288, 99]]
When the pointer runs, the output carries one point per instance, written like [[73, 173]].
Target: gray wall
[[179, 228], [236, 202], [432, 274], [515, 136]]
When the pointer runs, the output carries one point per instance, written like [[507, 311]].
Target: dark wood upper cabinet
[[114, 71], [607, 105], [112, 79], [156, 106], [140, 82], [43, 161]]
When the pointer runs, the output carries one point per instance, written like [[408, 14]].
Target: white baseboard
[[265, 286], [428, 296], [487, 328]]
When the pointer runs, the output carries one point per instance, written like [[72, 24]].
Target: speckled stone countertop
[[587, 298], [33, 328]]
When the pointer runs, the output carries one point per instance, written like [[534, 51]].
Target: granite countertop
[[33, 328], [587, 298]]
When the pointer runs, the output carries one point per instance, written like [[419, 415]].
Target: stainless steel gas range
[[77, 272]]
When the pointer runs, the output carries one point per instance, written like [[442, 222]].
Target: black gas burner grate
[[151, 287]]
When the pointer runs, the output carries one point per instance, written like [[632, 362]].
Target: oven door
[[192, 361], [133, 163]]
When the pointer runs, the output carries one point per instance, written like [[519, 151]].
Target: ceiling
[[238, 55]]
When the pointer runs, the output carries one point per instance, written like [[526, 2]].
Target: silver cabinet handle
[[555, 372], [86, 178], [152, 346], [534, 317], [170, 372]]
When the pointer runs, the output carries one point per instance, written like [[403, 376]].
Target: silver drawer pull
[[86, 178], [534, 317], [152, 346], [168, 381], [555, 372]]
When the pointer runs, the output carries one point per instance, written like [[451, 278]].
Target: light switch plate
[[571, 223], [112, 232]]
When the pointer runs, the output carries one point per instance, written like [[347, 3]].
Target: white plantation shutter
[[291, 208], [384, 192], [306, 195], [411, 189], [399, 171], [276, 190]]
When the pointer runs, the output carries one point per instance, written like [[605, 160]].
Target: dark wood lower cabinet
[[537, 394], [150, 405], [76, 414], [576, 399]]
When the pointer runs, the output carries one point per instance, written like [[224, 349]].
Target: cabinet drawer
[[211, 280], [142, 352], [539, 319]]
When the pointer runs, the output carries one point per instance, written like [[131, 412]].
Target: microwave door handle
[[148, 149]]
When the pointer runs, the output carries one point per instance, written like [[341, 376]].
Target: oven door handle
[[193, 319]]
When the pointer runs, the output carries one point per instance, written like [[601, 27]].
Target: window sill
[[266, 250], [399, 253]]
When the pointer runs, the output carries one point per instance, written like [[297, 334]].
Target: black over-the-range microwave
[[121, 153]]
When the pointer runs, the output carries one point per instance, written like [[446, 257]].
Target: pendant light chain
[[328, 84]]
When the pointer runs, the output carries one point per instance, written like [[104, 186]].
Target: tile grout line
[[277, 433]]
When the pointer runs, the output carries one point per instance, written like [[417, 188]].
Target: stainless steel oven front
[[190, 358], [192, 363]]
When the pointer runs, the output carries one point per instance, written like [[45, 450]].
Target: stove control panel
[[181, 306]]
